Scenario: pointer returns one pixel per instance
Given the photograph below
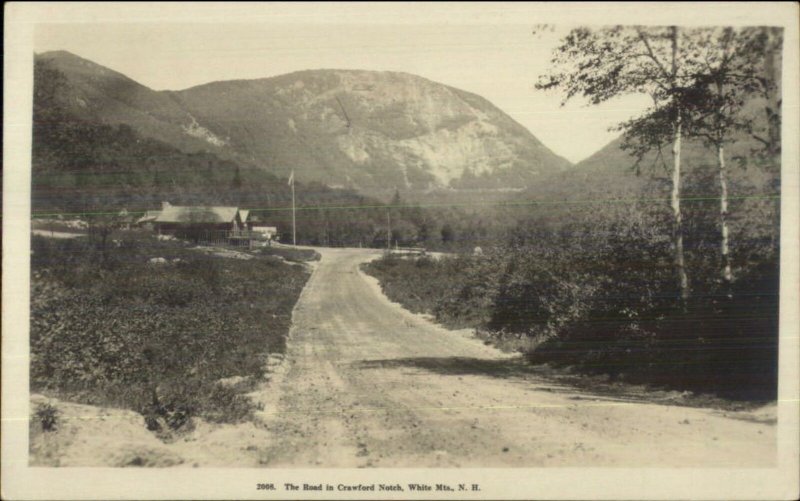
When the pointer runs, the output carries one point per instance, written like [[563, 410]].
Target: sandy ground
[[366, 383]]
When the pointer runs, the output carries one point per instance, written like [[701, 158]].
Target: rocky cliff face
[[372, 131]]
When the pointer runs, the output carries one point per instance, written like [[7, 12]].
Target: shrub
[[48, 416]]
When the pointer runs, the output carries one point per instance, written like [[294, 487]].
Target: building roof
[[243, 213], [185, 214], [149, 216]]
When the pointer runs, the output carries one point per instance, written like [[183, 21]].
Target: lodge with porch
[[207, 225]]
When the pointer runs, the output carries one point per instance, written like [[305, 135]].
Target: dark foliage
[[592, 286], [48, 416], [155, 338]]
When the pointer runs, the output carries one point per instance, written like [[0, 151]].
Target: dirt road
[[366, 383]]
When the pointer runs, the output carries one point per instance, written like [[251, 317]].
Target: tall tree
[[602, 64], [768, 42], [728, 66]]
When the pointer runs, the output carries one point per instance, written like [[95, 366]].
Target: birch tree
[[602, 64], [767, 42], [728, 66]]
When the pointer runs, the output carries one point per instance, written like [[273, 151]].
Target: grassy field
[[172, 338]]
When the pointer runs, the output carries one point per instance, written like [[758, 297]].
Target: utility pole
[[294, 220], [388, 232]]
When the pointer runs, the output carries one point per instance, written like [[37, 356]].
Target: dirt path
[[56, 234], [367, 383]]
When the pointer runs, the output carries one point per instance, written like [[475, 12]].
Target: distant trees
[[236, 182], [101, 225], [448, 234]]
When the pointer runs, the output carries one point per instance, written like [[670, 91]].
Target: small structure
[[270, 233], [255, 223], [408, 251]]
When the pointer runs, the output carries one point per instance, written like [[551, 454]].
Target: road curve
[[368, 384]]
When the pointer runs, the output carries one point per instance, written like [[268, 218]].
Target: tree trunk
[[680, 262], [727, 274]]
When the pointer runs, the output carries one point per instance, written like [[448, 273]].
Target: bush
[[48, 416], [437, 287]]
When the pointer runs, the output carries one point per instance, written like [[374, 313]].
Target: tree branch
[[652, 55], [760, 139]]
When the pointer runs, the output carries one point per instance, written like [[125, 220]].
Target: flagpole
[[294, 220]]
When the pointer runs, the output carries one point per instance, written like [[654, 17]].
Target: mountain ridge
[[375, 131]]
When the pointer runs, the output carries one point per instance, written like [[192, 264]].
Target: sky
[[499, 61]]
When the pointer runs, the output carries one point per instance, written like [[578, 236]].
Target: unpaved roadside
[[56, 234], [369, 384], [366, 383]]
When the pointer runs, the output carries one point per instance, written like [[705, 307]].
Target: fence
[[235, 238]]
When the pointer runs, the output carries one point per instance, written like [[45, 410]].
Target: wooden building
[[203, 224]]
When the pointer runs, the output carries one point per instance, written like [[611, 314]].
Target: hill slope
[[85, 167], [612, 173], [371, 131], [94, 93]]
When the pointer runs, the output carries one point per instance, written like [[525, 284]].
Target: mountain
[[91, 158], [91, 92], [370, 131], [609, 177]]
